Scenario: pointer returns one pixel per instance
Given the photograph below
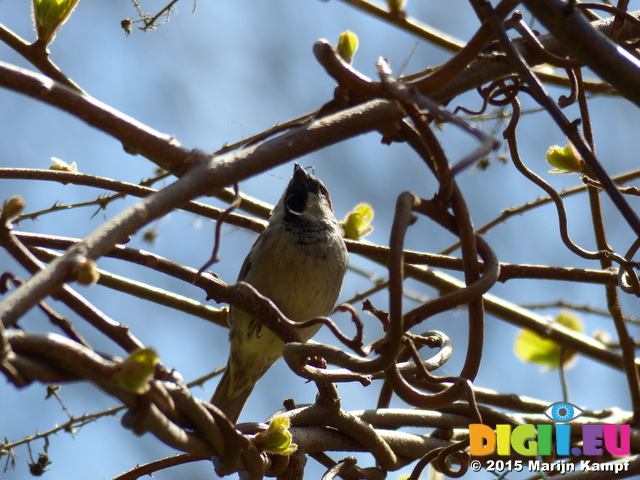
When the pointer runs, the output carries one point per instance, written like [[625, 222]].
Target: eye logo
[[532, 440], [563, 412]]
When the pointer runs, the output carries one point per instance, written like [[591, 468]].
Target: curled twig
[[497, 93], [510, 135], [218, 231], [491, 271], [612, 9], [627, 277], [353, 426], [354, 343], [343, 467], [408, 94], [532, 41], [297, 354], [454, 453]]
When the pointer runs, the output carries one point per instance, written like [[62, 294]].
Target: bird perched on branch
[[298, 262]]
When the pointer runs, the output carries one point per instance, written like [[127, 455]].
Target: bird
[[298, 262]]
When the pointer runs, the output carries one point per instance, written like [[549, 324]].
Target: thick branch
[[610, 61]]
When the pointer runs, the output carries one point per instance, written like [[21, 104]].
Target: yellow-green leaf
[[569, 320], [565, 159], [136, 371], [532, 348], [277, 438], [49, 15], [357, 223], [347, 45]]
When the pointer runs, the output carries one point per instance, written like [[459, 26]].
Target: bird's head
[[305, 201]]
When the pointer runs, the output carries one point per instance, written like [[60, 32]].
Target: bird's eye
[[563, 412], [323, 191]]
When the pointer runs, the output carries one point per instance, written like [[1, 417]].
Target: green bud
[[136, 372], [347, 45], [87, 273], [396, 6], [12, 207], [62, 166], [566, 160], [277, 438], [150, 235], [49, 15]]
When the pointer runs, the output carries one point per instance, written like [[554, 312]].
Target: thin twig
[[36, 53]]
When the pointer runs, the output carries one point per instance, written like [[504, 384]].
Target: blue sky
[[228, 71]]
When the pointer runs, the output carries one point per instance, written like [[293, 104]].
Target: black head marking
[[299, 188]]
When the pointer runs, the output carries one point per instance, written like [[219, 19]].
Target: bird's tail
[[231, 406]]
